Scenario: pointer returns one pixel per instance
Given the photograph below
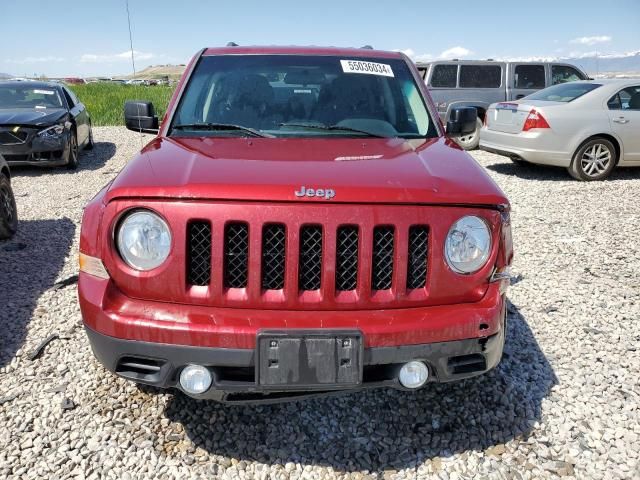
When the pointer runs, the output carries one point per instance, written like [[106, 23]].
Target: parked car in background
[[8, 210], [301, 224], [75, 81], [588, 127], [42, 123], [470, 83]]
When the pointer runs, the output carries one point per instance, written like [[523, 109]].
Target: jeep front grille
[[342, 259]]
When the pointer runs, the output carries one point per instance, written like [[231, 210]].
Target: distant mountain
[[593, 63], [621, 63], [158, 71], [5, 76]]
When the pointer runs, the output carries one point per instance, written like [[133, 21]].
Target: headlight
[[51, 131], [468, 245], [143, 240]]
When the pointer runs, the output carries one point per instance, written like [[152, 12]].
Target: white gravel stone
[[564, 402]]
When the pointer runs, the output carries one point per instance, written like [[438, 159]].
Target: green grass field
[[105, 101]]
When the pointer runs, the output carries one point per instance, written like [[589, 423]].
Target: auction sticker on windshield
[[371, 68]]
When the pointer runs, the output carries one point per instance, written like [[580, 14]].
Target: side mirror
[[140, 116], [462, 121]]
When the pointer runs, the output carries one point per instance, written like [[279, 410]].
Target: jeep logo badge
[[326, 193]]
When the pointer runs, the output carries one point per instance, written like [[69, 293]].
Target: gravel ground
[[563, 402]]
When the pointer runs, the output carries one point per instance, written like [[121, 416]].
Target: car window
[[529, 76], [563, 92], [72, 95], [296, 95], [614, 102], [480, 76], [444, 76], [70, 101], [564, 73], [29, 97], [627, 99]]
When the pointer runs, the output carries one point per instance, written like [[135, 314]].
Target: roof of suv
[[487, 62], [294, 50]]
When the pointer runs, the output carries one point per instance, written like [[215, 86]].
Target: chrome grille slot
[[199, 252], [236, 255], [382, 265], [273, 256], [310, 262], [417, 257], [347, 258]]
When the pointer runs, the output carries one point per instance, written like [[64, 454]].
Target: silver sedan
[[588, 127]]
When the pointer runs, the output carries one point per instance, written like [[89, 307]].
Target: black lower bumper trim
[[504, 153], [233, 370]]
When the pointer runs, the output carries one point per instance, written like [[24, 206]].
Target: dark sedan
[[42, 124], [8, 211]]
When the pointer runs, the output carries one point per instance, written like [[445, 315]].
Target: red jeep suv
[[300, 225]]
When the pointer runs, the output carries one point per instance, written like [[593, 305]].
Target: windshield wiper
[[321, 126], [221, 127]]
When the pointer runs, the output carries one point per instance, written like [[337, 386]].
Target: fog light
[[413, 374], [195, 379]]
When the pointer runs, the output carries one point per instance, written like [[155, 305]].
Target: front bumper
[[36, 150], [233, 370], [159, 339]]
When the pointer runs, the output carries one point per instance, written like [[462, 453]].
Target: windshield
[[297, 95], [29, 97], [565, 92]]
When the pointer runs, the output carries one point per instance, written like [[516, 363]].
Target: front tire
[[471, 141], [72, 156], [8, 210], [90, 143], [595, 159]]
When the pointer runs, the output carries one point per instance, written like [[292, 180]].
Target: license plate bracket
[[309, 359]]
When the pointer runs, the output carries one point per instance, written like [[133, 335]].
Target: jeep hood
[[434, 171]]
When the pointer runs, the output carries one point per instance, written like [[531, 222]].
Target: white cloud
[[416, 57], [116, 57], [591, 40], [47, 59], [455, 52], [423, 57]]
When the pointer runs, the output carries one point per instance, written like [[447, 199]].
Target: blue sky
[[91, 37]]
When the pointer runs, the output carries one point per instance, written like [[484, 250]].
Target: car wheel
[[72, 158], [471, 141], [8, 210], [90, 143], [594, 160]]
